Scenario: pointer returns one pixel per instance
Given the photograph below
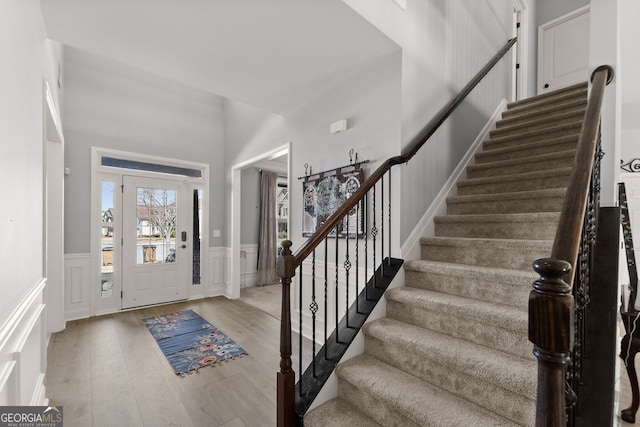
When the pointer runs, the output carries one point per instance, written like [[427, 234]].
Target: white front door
[[156, 255], [563, 51]]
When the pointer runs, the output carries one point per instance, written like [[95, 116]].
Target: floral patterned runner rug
[[189, 342]]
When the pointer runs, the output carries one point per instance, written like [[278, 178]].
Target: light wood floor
[[109, 371]]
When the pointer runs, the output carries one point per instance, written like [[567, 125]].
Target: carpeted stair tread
[[525, 181], [535, 135], [492, 284], [521, 165], [485, 364], [503, 316], [537, 225], [545, 110], [492, 325], [548, 200], [574, 91], [501, 218], [552, 145], [337, 413], [537, 123], [393, 397], [514, 195], [499, 382], [517, 254], [541, 225]]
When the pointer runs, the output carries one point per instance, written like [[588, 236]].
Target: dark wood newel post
[[551, 326], [286, 376]]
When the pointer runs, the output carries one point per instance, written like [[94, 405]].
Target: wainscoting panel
[[248, 265], [77, 286], [218, 266], [23, 347]]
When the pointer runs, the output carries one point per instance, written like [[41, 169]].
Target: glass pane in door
[[106, 239], [156, 225]]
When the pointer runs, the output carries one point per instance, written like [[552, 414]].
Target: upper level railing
[[559, 298], [355, 209]]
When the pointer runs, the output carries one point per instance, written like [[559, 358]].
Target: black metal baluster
[[382, 225], [366, 246], [347, 267], [300, 371], [374, 232], [336, 293], [326, 284], [389, 232], [358, 224], [313, 307]]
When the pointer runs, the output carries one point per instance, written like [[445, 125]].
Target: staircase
[[453, 349]]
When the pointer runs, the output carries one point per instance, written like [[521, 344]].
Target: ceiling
[[272, 54]]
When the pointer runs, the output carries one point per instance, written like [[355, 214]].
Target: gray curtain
[[268, 244]]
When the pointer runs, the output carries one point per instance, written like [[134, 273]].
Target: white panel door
[[156, 255], [563, 51]]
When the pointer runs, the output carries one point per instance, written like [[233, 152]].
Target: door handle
[[546, 86], [184, 246]]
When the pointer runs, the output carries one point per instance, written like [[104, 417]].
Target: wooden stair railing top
[[551, 304]]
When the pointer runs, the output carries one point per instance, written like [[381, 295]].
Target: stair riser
[[499, 230], [376, 409], [488, 156], [513, 186], [516, 129], [489, 256], [476, 287], [537, 136], [523, 167], [504, 402], [549, 111], [531, 205], [486, 334]]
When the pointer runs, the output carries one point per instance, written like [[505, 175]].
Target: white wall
[[547, 10], [628, 12], [28, 61], [604, 49], [112, 105], [368, 96], [444, 43]]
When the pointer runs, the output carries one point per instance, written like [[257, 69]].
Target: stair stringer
[[330, 388], [425, 227], [411, 247]]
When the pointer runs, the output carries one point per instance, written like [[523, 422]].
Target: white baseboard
[[410, 249], [23, 339]]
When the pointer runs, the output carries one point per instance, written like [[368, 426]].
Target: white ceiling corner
[[272, 54]]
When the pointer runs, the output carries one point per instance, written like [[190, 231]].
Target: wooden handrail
[[572, 214], [288, 262], [551, 303], [415, 145]]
